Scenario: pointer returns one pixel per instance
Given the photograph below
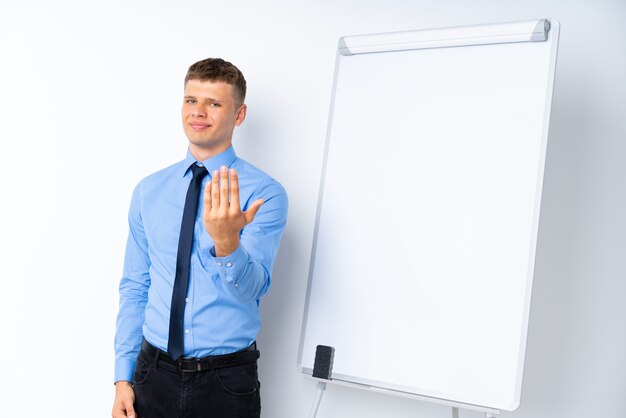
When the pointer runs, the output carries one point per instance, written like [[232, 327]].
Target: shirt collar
[[226, 157]]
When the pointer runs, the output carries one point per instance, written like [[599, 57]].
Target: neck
[[204, 153]]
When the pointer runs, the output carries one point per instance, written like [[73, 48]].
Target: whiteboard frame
[[441, 38]]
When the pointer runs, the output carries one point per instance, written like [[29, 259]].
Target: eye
[[215, 105], [190, 101]]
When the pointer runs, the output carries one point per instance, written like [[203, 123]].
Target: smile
[[199, 126]]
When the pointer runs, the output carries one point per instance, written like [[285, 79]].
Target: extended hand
[[223, 218]]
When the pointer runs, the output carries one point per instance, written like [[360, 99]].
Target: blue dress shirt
[[221, 314]]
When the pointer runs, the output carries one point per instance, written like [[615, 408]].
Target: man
[[204, 233]]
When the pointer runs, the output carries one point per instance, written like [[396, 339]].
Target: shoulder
[[161, 178], [258, 181]]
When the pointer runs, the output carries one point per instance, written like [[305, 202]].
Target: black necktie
[[175, 342]]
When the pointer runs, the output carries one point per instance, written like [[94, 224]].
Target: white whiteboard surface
[[423, 256]]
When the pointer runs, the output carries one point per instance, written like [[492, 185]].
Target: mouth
[[197, 126]]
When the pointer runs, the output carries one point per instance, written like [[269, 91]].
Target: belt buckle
[[182, 361]]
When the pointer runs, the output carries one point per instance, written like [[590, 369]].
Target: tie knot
[[199, 171]]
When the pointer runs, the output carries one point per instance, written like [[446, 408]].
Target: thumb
[[252, 210], [130, 410]]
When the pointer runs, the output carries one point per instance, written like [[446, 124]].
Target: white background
[[90, 95]]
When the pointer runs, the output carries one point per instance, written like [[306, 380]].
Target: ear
[[241, 114]]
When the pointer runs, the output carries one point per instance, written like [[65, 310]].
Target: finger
[[215, 191], [224, 187], [234, 191], [119, 411], [252, 210], [130, 409], [207, 196]]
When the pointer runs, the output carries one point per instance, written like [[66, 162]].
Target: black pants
[[161, 391]]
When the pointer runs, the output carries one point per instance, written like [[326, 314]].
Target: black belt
[[186, 364]]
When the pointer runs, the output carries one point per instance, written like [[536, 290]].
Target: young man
[[203, 236]]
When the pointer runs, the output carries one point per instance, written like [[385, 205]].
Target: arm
[[246, 243], [133, 298]]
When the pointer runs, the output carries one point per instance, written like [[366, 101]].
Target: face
[[210, 115]]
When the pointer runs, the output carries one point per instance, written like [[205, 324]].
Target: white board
[[422, 263]]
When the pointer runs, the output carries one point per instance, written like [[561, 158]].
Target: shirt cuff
[[230, 267], [124, 370]]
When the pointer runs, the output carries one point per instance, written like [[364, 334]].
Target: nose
[[198, 111]]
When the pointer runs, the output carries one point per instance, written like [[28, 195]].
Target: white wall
[[89, 102]]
